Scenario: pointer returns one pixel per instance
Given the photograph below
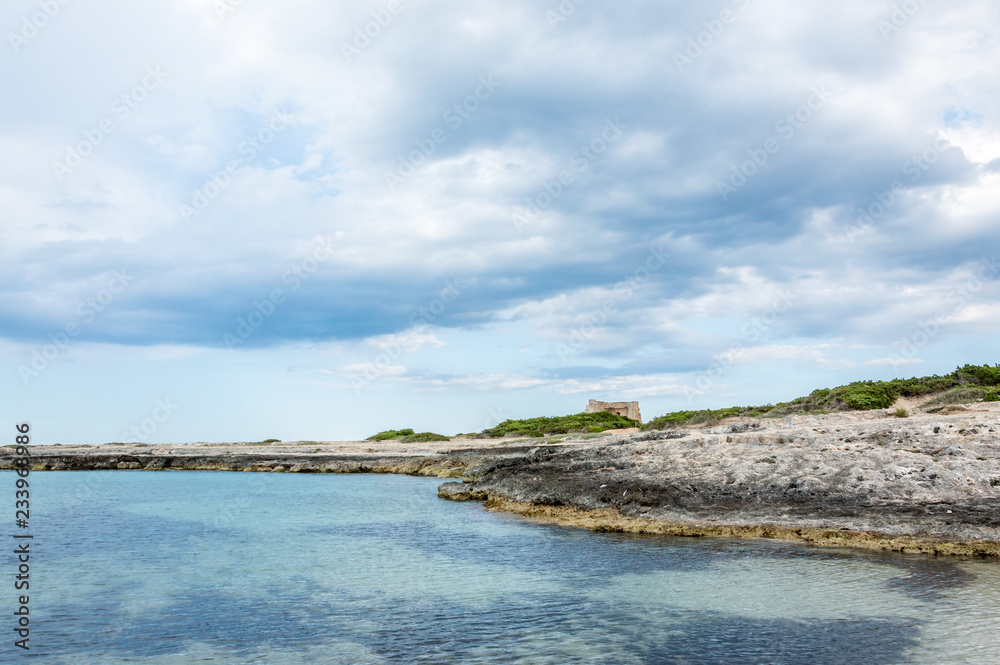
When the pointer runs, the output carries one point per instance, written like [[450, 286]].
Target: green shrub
[[983, 376], [901, 413], [866, 395], [423, 437], [684, 418], [580, 422], [390, 434], [966, 384], [925, 385]]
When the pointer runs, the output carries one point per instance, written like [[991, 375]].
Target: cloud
[[810, 115]]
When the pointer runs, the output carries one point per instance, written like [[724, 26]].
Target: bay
[[164, 568]]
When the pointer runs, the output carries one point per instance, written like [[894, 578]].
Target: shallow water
[[216, 567]]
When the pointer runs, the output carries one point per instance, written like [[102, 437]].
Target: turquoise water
[[204, 567]]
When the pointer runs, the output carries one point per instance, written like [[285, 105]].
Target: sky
[[231, 220]]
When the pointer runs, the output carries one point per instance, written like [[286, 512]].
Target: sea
[[178, 567]]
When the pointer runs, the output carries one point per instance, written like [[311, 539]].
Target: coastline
[[927, 484], [612, 521]]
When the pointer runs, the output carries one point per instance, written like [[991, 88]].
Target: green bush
[[683, 418], [580, 422], [901, 413], [390, 434], [423, 437], [983, 376], [866, 395], [966, 384], [925, 385]]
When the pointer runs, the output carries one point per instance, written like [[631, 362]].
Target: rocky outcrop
[[929, 483], [328, 458]]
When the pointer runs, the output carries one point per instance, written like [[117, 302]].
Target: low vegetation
[[390, 434], [407, 436], [423, 437], [958, 395], [966, 384], [580, 422]]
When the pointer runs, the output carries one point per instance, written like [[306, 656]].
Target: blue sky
[[233, 220]]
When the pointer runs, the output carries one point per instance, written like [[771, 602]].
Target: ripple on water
[[214, 567]]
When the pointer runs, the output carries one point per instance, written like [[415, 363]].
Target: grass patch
[[901, 413], [958, 395], [580, 422], [969, 383]]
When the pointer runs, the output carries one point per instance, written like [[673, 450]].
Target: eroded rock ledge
[[889, 499], [929, 483]]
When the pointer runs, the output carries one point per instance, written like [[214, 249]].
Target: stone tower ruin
[[627, 409]]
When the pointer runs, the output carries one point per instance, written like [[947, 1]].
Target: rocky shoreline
[[929, 483]]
